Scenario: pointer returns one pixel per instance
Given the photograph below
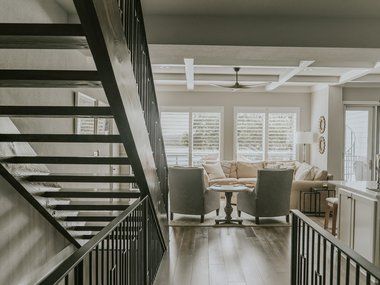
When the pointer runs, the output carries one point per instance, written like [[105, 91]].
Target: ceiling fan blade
[[222, 86], [254, 85]]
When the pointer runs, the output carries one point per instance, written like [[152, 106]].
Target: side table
[[314, 192]]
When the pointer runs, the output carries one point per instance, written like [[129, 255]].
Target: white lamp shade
[[304, 137]]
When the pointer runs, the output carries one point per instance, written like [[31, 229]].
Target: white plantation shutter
[[206, 136], [281, 132], [250, 130], [175, 131]]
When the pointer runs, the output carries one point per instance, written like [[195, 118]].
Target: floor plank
[[226, 256]]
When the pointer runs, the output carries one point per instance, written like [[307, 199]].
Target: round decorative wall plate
[[322, 124], [322, 145]]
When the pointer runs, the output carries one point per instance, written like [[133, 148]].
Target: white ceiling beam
[[375, 78], [357, 73], [285, 77], [189, 71], [209, 88], [257, 78], [217, 77]]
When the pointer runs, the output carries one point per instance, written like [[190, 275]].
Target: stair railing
[[127, 251], [133, 25], [317, 257]]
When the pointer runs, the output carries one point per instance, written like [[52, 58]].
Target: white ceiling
[[278, 67], [321, 8], [330, 8], [272, 66]]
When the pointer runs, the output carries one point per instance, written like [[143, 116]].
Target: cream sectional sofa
[[239, 172]]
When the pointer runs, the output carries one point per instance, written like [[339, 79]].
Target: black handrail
[[133, 24], [127, 251], [317, 256]]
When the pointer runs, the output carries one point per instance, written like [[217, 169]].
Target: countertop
[[359, 187]]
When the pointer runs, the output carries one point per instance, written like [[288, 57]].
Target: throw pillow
[[214, 171], [229, 168], [321, 175], [248, 169], [304, 172]]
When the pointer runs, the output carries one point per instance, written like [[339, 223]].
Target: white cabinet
[[364, 226], [345, 217], [357, 223]]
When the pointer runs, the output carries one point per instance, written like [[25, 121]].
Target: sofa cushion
[[223, 181], [214, 171], [229, 168], [248, 169], [245, 181], [320, 175], [286, 164], [304, 172]]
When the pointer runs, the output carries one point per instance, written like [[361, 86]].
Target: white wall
[[229, 100], [361, 94], [319, 107], [327, 102]]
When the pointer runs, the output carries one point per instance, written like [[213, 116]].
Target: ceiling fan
[[236, 86]]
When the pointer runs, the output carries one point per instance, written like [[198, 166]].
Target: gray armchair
[[271, 197], [188, 193]]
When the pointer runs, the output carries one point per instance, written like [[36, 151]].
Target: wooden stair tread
[[66, 177], [87, 218], [37, 29], [55, 111], [87, 194], [64, 138], [42, 36], [66, 160], [90, 207], [49, 78]]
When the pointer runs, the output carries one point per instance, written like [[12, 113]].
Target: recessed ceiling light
[[164, 67]]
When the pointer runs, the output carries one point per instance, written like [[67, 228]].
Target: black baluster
[[338, 267], [357, 274], [347, 270], [324, 261], [331, 264], [90, 267]]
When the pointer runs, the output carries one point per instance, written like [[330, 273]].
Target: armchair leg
[[202, 218], [239, 213], [257, 220], [171, 216], [287, 218], [217, 212]]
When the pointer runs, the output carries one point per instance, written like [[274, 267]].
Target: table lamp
[[304, 138]]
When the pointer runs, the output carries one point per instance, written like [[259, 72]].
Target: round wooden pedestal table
[[228, 191]]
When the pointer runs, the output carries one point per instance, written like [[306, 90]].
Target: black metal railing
[[318, 258], [127, 251], [133, 24]]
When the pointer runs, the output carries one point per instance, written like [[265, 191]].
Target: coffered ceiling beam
[[285, 77], [357, 73], [369, 78], [209, 88], [167, 78], [189, 71]]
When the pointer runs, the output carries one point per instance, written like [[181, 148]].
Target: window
[[175, 131], [191, 136], [265, 134], [250, 136]]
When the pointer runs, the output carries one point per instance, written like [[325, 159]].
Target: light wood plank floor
[[226, 256]]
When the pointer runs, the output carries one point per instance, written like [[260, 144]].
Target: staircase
[[113, 31]]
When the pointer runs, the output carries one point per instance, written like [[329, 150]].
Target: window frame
[[199, 109], [266, 111]]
